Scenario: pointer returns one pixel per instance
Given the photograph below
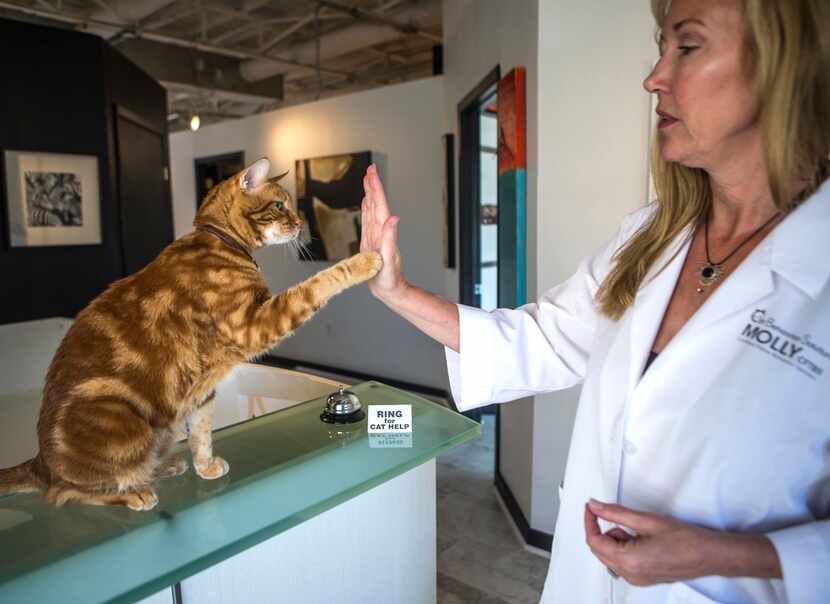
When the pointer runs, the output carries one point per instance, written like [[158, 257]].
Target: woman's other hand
[[379, 233], [665, 550]]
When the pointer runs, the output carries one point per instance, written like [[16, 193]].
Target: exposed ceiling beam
[[286, 32], [244, 14], [166, 17], [167, 39], [230, 33], [389, 57], [238, 97], [362, 15]]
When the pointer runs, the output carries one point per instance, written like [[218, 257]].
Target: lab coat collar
[[651, 302], [800, 245], [798, 250]]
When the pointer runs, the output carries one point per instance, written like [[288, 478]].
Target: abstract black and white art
[[51, 199]]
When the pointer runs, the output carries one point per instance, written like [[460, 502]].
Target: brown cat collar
[[228, 240]]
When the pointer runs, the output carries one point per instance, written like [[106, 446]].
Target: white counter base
[[377, 547]]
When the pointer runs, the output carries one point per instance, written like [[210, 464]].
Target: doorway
[[144, 190], [478, 195], [210, 171]]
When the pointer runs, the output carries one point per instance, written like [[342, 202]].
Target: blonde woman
[[706, 476]]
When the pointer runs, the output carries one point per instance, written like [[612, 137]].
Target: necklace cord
[[744, 242]]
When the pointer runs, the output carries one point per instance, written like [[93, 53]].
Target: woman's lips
[[666, 120]]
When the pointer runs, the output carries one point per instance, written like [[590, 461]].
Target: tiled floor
[[480, 559]]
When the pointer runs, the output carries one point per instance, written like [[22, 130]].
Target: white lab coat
[[729, 428]]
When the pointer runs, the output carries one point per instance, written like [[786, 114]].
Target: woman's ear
[[254, 175]]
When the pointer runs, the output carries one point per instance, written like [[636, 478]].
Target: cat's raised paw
[[141, 500], [366, 265], [214, 468]]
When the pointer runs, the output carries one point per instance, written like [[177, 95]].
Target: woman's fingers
[[619, 535], [364, 225], [381, 207], [641, 522]]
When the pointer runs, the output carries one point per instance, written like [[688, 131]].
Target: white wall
[[402, 125], [478, 36], [593, 130]]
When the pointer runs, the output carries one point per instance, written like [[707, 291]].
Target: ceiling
[[225, 59]]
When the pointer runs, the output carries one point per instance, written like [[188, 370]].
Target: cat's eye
[[280, 205]]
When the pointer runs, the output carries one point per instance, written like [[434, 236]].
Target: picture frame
[[51, 199]]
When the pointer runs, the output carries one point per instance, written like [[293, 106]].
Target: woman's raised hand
[[379, 233]]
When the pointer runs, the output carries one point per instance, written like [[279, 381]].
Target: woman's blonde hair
[[789, 55]]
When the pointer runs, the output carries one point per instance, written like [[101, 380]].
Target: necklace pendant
[[707, 274]]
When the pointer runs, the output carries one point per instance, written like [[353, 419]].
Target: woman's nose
[[657, 80]]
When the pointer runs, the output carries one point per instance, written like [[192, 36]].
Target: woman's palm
[[379, 233]]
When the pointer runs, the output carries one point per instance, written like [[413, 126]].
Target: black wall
[[60, 92]]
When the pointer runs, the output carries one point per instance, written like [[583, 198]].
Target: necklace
[[709, 272]]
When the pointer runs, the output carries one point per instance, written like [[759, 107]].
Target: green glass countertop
[[285, 468]]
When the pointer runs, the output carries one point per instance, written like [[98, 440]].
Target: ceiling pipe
[[345, 40]]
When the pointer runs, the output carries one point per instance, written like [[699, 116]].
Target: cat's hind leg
[[200, 439], [139, 498], [107, 453]]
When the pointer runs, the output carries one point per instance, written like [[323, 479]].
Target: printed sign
[[390, 441], [390, 419]]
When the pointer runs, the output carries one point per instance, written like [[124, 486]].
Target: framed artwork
[[512, 210], [210, 171], [329, 193], [51, 199], [449, 200]]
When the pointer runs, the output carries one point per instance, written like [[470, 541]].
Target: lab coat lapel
[[651, 302]]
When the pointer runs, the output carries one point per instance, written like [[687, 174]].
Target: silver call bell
[[342, 407]]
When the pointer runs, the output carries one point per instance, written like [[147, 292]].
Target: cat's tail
[[19, 479]]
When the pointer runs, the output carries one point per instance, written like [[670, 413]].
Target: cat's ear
[[278, 178], [254, 175]]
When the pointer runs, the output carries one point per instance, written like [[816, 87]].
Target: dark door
[[143, 186]]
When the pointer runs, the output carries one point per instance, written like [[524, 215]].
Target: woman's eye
[[684, 50]]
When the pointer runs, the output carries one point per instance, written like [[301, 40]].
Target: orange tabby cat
[[145, 355]]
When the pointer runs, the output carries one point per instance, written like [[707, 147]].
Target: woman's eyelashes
[[685, 50]]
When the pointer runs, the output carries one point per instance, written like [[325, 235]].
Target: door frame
[[469, 178]]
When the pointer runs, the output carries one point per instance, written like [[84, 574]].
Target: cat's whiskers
[[302, 250]]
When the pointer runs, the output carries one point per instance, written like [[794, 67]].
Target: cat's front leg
[[361, 267], [200, 439], [347, 273], [281, 314]]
